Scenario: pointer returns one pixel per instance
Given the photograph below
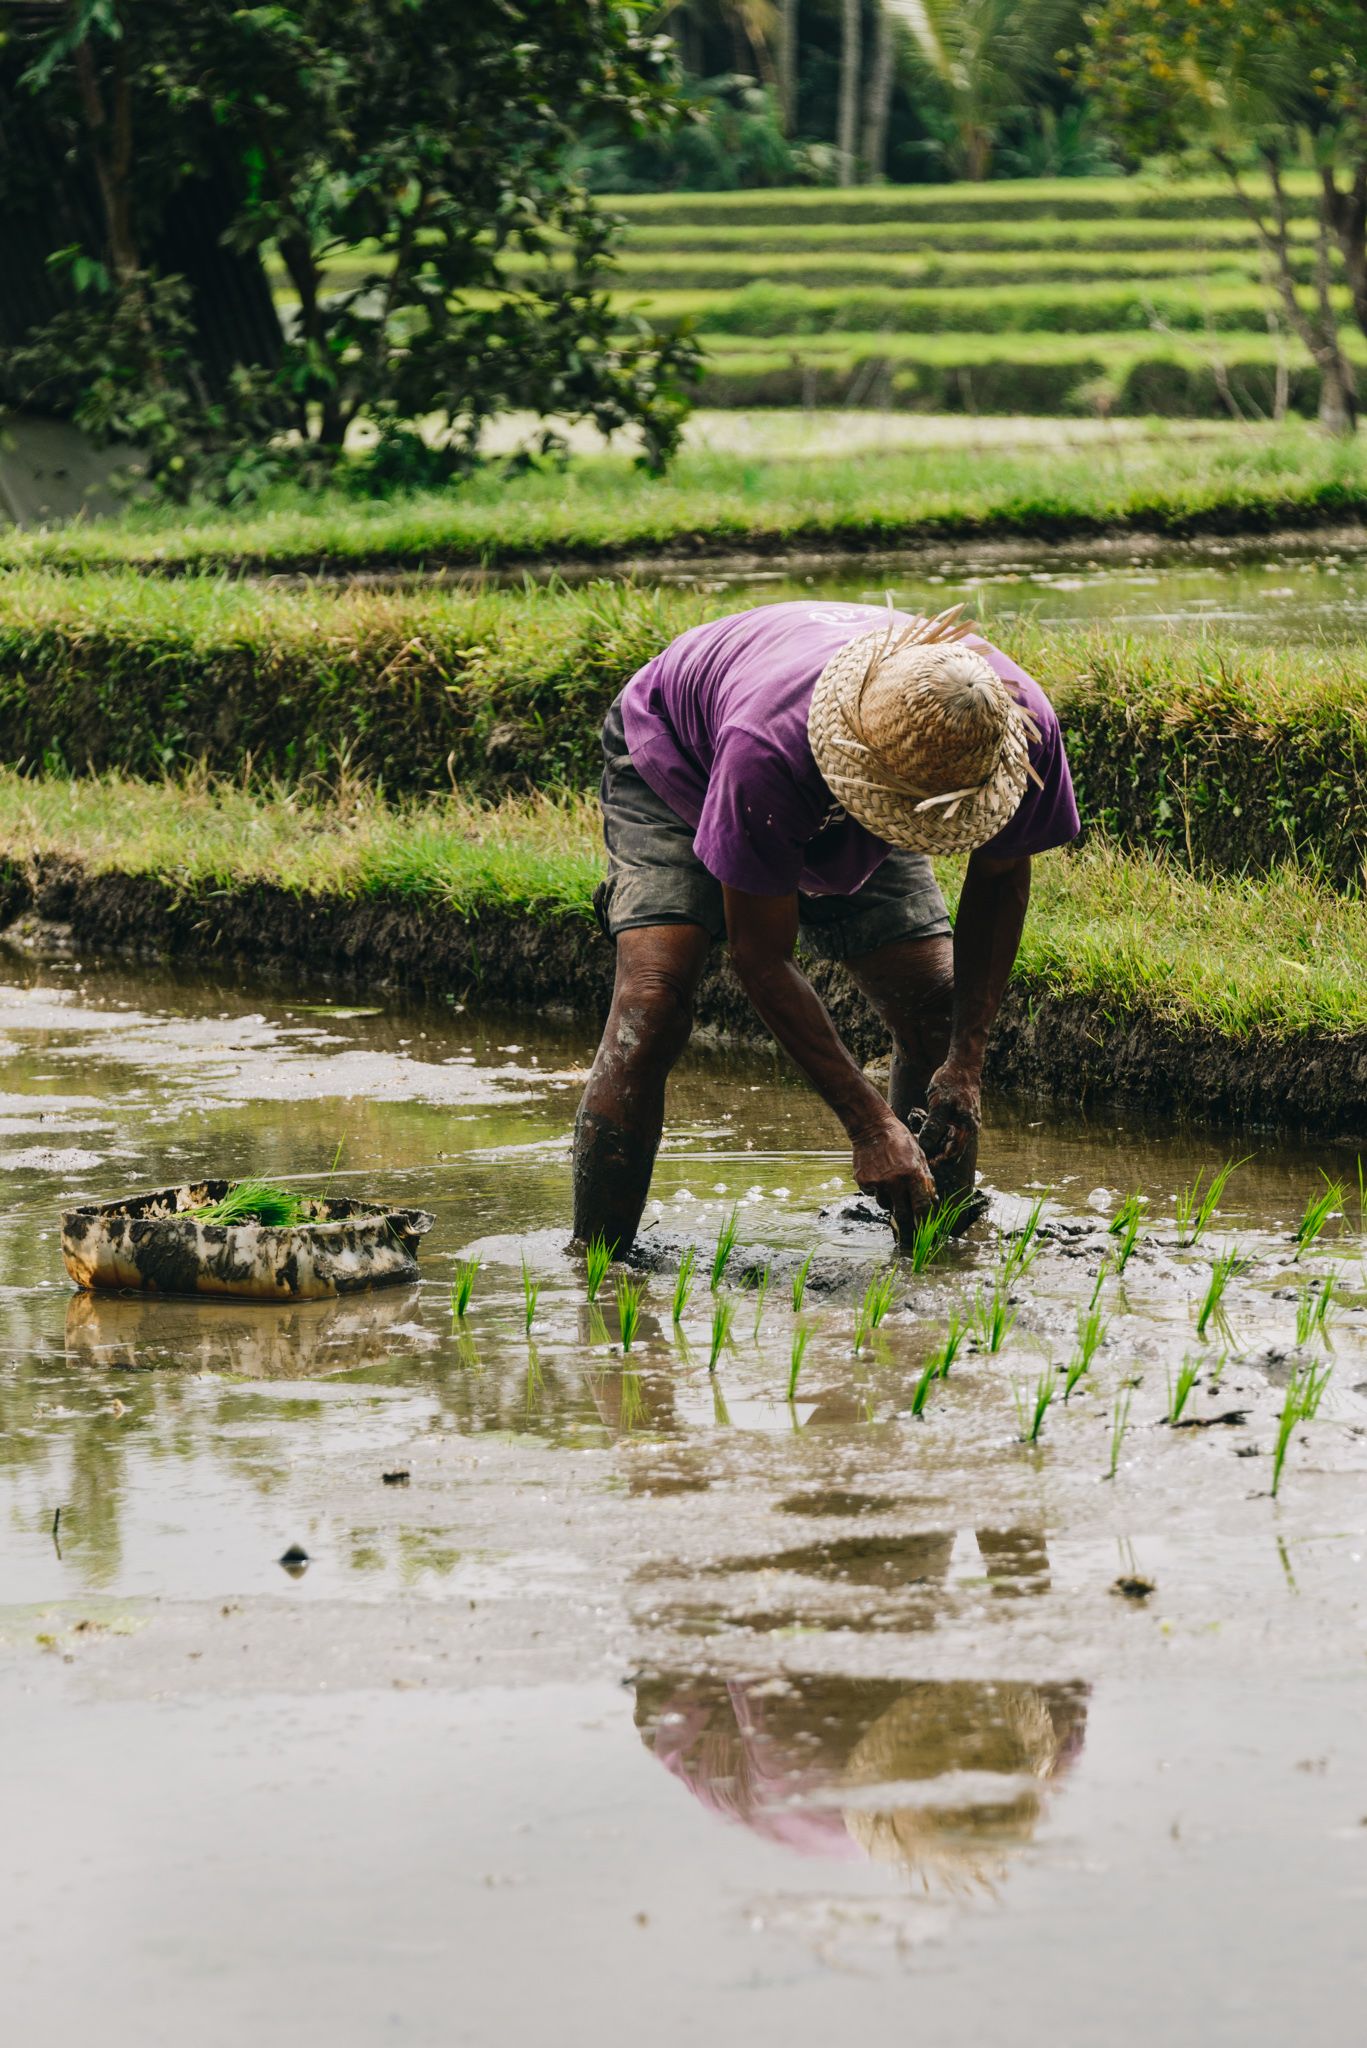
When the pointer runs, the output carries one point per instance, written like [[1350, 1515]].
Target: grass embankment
[[1112, 296], [1133, 975], [1244, 479], [1230, 756]]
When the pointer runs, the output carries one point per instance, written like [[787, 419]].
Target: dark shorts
[[654, 876]]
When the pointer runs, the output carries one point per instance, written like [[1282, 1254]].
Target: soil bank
[[1064, 1047]]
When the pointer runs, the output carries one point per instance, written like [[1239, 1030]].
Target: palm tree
[[851, 65], [878, 93], [987, 55]]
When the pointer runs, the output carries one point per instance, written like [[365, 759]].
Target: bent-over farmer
[[786, 773]]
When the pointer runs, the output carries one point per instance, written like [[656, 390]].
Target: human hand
[[953, 1113], [890, 1165]]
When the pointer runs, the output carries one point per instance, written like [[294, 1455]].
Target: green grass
[[1304, 1392], [723, 1315], [926, 1379], [601, 505], [932, 1233], [1313, 1304], [1258, 957], [942, 1359], [1197, 1206], [877, 1300], [531, 1289], [1091, 1335], [1033, 1406], [1125, 1227], [1179, 1390], [799, 1286], [993, 1319], [1022, 1247]]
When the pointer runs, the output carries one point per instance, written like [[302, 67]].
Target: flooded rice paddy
[[368, 1674]]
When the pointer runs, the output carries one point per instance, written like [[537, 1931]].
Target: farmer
[[787, 771]]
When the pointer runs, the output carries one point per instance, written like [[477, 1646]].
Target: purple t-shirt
[[717, 725]]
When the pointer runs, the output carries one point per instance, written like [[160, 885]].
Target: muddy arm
[[888, 1162], [987, 936]]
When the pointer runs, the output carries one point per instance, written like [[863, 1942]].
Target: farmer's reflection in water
[[941, 1781]]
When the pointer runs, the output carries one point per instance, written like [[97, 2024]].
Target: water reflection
[[940, 1780], [247, 1340]]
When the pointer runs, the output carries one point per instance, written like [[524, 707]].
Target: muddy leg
[[617, 1131], [911, 985]]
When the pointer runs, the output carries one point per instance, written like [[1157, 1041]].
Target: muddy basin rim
[[152, 1243]]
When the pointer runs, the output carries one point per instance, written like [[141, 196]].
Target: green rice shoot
[[761, 1290], [1103, 1274], [920, 1393], [1120, 1422], [1179, 1390], [1318, 1211], [597, 1259], [1313, 1304], [726, 1244], [944, 1358], [933, 1231], [628, 1293], [1304, 1392], [1195, 1209], [1091, 1332], [1222, 1271], [874, 1306], [1022, 1247], [800, 1281], [463, 1286], [530, 1291], [1125, 1227], [683, 1283], [255, 1201], [993, 1318], [1033, 1406], [723, 1315], [802, 1337]]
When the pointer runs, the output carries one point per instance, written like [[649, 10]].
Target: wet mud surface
[[368, 1674]]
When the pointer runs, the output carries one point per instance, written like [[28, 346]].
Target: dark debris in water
[[1131, 1588]]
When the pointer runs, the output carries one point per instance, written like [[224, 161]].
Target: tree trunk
[[851, 64], [1338, 396], [787, 66], [878, 97], [1345, 215]]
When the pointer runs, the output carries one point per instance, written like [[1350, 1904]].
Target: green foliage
[[429, 134], [723, 1315], [531, 1289], [1022, 1247], [926, 1379], [993, 1318], [799, 1288], [1179, 1391], [463, 1286], [1120, 1422], [725, 1245], [876, 1302], [1304, 1392], [598, 1256], [802, 1337], [934, 1231], [1196, 1208], [683, 1282], [628, 1293], [255, 1201], [1223, 1269], [1091, 1334], [1032, 1407], [1125, 1226], [1318, 1210], [1313, 1304], [942, 1360]]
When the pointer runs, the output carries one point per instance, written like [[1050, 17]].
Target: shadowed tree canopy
[[388, 158]]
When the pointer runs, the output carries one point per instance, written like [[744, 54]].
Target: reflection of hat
[[919, 738]]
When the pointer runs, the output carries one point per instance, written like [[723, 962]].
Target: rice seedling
[[1103, 1274], [597, 1258], [683, 1283], [1179, 1391], [1312, 1309], [631, 1407], [761, 1290], [1318, 1210], [254, 1201], [1120, 1422], [1195, 1209], [932, 1232], [993, 1318], [944, 1358], [1091, 1334], [1362, 1195], [463, 1286], [875, 1305], [629, 1293], [1032, 1407], [1304, 1392], [1125, 1227], [723, 1315], [800, 1281], [802, 1337], [920, 1393], [725, 1245], [1222, 1271], [530, 1291], [1022, 1248]]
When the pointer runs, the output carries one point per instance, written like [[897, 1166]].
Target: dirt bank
[[1067, 1047]]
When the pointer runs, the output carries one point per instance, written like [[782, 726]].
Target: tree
[[989, 56], [1269, 83], [878, 93], [432, 135], [851, 66]]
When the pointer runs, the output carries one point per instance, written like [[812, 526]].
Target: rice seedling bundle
[[726, 1244], [1222, 1271], [933, 1231], [629, 1293], [597, 1258], [463, 1286], [723, 1314], [1179, 1392], [683, 1283]]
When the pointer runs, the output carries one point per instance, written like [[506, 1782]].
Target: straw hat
[[918, 738]]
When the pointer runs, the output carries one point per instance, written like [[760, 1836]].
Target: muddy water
[[1307, 587], [616, 1694]]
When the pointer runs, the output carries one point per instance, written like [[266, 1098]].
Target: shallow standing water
[[647, 1698]]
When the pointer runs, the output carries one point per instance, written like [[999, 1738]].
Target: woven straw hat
[[918, 738]]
